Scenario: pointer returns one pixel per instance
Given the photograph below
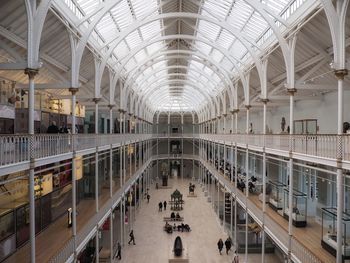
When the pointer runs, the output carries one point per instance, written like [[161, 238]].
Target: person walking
[[164, 205], [235, 257], [148, 197], [132, 237], [119, 252], [220, 245], [160, 205], [228, 244]]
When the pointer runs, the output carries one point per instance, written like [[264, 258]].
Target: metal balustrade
[[16, 148], [319, 145], [65, 253]]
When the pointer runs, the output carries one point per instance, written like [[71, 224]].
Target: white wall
[[324, 110]]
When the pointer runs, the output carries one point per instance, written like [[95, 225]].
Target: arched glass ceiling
[[172, 55]]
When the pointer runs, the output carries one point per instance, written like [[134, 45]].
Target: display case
[[329, 232], [276, 195], [299, 212]]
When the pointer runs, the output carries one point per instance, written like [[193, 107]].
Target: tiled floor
[[153, 245]]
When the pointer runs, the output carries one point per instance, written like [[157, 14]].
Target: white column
[[291, 177], [340, 74], [74, 185], [111, 237], [264, 180], [31, 101], [225, 130]]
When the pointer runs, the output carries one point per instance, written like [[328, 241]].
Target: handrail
[[16, 148]]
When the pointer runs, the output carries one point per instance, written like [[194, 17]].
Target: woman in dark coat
[[220, 245], [228, 244]]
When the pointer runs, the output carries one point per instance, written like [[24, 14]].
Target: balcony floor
[[309, 236]]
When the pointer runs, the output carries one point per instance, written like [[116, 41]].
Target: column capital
[[96, 100], [111, 106], [248, 106], [31, 72], [340, 73], [291, 91], [234, 111], [121, 111], [73, 90], [265, 100], [224, 114], [218, 117]]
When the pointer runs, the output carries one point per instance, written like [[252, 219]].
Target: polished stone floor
[[153, 245]]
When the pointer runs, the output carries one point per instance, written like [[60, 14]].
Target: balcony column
[[224, 168], [235, 210], [182, 145], [232, 121], [111, 245], [247, 183], [193, 142], [224, 209], [218, 203], [168, 143], [31, 102], [264, 101], [340, 74], [214, 125], [111, 151], [225, 130], [74, 179], [291, 92], [96, 100], [232, 165], [122, 218], [218, 126], [218, 130]]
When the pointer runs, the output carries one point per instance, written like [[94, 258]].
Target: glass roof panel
[[238, 15]]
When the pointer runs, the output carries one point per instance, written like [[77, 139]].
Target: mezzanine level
[[47, 148]]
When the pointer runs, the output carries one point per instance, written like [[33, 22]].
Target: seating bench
[[169, 219]]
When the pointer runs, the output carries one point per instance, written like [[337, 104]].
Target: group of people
[[228, 246], [180, 227], [175, 216], [162, 205], [53, 128]]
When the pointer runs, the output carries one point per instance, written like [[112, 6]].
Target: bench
[[169, 219]]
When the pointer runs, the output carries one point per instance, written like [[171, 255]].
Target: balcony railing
[[16, 148], [320, 145]]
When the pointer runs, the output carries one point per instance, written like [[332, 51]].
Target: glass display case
[[255, 239], [329, 232], [276, 195], [299, 212]]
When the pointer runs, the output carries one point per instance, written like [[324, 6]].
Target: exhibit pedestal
[[191, 195], [182, 259]]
